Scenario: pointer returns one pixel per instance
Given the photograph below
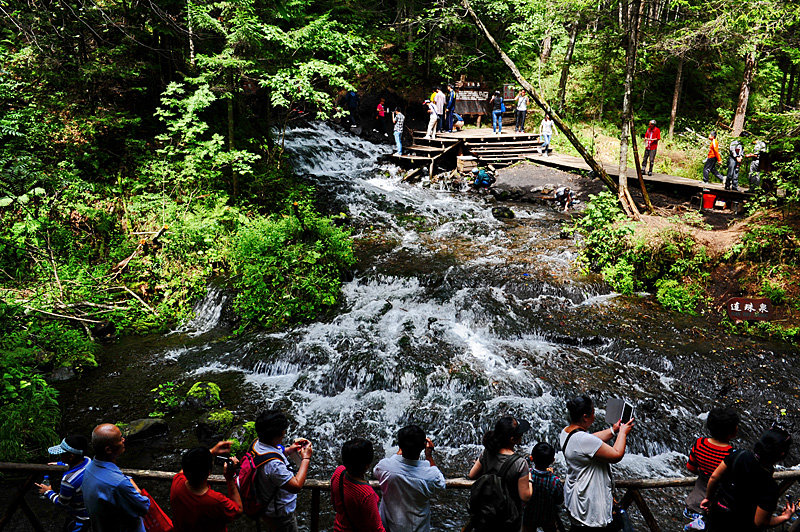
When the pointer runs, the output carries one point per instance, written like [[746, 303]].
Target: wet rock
[[502, 213], [105, 329], [142, 429], [203, 395], [62, 373], [213, 426]]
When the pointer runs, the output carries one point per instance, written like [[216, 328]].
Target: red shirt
[[705, 456], [209, 512], [651, 138], [362, 505]]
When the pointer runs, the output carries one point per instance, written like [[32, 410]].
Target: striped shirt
[[705, 456], [70, 494], [548, 495]]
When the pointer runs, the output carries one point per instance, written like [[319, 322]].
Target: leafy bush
[[678, 296], [166, 398], [288, 268]]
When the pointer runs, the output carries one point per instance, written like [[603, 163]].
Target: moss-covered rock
[[203, 395], [242, 436], [213, 426]]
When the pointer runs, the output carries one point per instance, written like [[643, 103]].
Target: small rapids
[[452, 319]]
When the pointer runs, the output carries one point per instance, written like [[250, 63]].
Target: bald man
[[114, 501]]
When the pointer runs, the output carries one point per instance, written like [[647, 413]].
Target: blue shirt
[[70, 494], [271, 477], [113, 503], [407, 487]]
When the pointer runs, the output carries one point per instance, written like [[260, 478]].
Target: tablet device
[[618, 410]]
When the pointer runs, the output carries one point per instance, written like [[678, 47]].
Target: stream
[[452, 319]]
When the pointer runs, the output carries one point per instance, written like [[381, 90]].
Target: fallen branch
[[62, 316], [142, 301], [120, 267]]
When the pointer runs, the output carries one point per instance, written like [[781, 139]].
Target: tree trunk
[[410, 37], [232, 90], [627, 104], [744, 93], [790, 89], [781, 99], [676, 97], [562, 84], [190, 27], [547, 48], [536, 97]]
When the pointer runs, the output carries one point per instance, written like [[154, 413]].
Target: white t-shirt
[[522, 103], [547, 127], [587, 490]]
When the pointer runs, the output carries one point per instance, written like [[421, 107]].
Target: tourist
[[741, 493], [546, 132], [547, 492], [352, 497], [705, 456], [499, 457], [196, 507], [277, 485], [72, 450], [458, 122], [408, 483], [483, 179], [651, 138], [759, 149], [565, 198], [398, 118], [450, 107], [433, 117], [714, 157], [439, 100], [735, 157], [498, 106], [587, 490], [380, 117], [352, 101], [521, 111], [114, 501]]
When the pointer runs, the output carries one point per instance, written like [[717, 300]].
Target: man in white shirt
[[439, 100], [408, 483]]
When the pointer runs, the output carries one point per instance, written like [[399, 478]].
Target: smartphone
[[222, 459], [627, 413]]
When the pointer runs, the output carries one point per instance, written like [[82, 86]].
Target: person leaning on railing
[[741, 493]]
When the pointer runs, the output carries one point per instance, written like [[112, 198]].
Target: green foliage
[[678, 296], [205, 393], [773, 291], [288, 268], [244, 436], [222, 417], [166, 398]]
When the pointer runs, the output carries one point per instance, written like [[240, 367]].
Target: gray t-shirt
[[587, 490], [522, 103], [271, 477], [547, 127], [491, 463]]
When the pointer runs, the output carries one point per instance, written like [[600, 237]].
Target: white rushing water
[[445, 328]]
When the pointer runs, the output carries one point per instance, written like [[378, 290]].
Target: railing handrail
[[325, 485]]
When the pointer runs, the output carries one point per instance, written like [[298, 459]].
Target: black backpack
[[490, 505]]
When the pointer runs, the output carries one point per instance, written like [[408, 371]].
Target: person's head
[[271, 426], [72, 449], [449, 86], [543, 455], [652, 123], [497, 93], [522, 92], [196, 464], [383, 100], [581, 409], [723, 423], [507, 433], [357, 456], [411, 440], [713, 135], [547, 117], [773, 446], [426, 102], [107, 442]]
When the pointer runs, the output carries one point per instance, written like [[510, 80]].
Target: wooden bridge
[[27, 474]]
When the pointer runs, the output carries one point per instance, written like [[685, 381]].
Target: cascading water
[[455, 318]]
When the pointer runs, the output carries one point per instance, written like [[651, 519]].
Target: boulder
[[62, 373], [142, 429], [212, 426], [203, 395], [502, 213]]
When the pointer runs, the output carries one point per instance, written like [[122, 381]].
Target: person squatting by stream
[[509, 493]]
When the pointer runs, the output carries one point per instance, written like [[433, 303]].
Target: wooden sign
[[748, 308]]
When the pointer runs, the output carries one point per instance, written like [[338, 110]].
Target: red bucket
[[708, 201]]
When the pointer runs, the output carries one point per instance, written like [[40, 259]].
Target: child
[[548, 492], [705, 456]]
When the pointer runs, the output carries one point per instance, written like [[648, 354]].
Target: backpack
[[736, 148], [246, 480], [502, 106], [490, 504]]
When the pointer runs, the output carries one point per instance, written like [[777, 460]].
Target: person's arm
[[475, 472], [765, 519], [229, 472], [295, 484], [612, 455], [525, 487], [65, 493], [610, 432], [429, 452], [713, 484], [131, 500]]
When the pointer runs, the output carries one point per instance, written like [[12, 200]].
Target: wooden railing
[[632, 490]]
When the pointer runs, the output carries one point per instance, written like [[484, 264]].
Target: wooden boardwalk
[[571, 163]]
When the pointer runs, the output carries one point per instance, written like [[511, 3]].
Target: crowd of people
[[513, 491], [736, 155]]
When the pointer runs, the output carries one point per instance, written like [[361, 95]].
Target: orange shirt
[[713, 150]]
